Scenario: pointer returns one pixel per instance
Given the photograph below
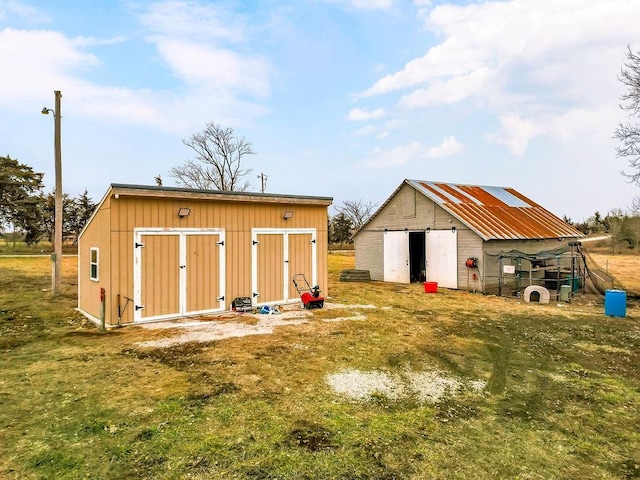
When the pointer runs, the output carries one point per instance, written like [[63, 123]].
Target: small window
[[93, 262]]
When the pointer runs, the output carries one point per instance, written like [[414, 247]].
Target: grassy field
[[556, 390], [625, 268]]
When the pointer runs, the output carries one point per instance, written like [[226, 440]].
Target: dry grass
[[562, 396], [626, 268]]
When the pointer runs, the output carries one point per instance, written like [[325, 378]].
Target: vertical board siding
[[203, 272], [160, 275], [270, 268], [299, 261], [89, 290], [112, 231]]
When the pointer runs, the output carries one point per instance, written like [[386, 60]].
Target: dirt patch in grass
[[310, 436]]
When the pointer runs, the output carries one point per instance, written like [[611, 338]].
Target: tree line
[[26, 209]]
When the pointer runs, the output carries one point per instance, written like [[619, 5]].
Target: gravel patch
[[427, 387], [431, 386], [362, 386], [214, 331]]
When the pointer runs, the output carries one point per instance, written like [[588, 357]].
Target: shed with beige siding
[[426, 231], [159, 253]]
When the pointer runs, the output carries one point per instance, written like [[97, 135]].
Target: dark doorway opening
[[417, 257]]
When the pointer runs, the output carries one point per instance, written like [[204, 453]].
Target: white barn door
[[396, 257], [442, 257]]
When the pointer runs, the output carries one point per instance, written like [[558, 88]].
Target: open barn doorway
[[417, 257]]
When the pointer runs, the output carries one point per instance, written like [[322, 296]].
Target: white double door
[[178, 272], [441, 248], [276, 256]]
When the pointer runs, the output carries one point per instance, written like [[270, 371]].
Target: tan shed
[[158, 253]]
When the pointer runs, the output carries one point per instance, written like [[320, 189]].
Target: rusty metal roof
[[496, 213]]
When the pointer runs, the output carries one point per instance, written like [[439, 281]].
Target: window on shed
[[93, 264]]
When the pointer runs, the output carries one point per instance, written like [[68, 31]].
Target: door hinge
[[220, 243], [255, 242], [255, 294], [220, 298], [313, 241], [139, 307], [139, 244]]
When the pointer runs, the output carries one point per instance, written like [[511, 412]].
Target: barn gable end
[[426, 231]]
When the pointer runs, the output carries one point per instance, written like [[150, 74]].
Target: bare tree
[[218, 161], [357, 211], [629, 133], [615, 222]]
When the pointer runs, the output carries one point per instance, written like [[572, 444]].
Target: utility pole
[[263, 181], [58, 220]]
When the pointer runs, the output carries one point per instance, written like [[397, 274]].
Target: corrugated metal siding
[[236, 218], [496, 212]]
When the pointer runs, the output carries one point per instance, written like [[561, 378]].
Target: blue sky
[[341, 98]]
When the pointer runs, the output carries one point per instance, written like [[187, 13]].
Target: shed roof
[[123, 189], [495, 213], [197, 194]]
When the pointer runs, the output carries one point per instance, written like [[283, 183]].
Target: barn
[[479, 238], [157, 253]]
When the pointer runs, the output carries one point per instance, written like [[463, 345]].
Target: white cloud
[[368, 130], [452, 90], [519, 60], [447, 148], [379, 158], [194, 20], [366, 4], [216, 69], [358, 114], [9, 8], [515, 133], [37, 60], [202, 46], [411, 152], [195, 41]]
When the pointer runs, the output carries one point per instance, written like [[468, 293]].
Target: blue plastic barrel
[[615, 303]]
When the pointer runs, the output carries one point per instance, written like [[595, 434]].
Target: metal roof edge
[[186, 190], [415, 184]]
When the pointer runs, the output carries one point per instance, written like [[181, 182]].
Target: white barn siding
[[412, 211], [469, 246], [369, 254]]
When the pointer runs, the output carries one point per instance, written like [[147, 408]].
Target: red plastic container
[[430, 287]]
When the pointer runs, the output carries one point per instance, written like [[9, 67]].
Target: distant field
[[388, 383], [626, 268]]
